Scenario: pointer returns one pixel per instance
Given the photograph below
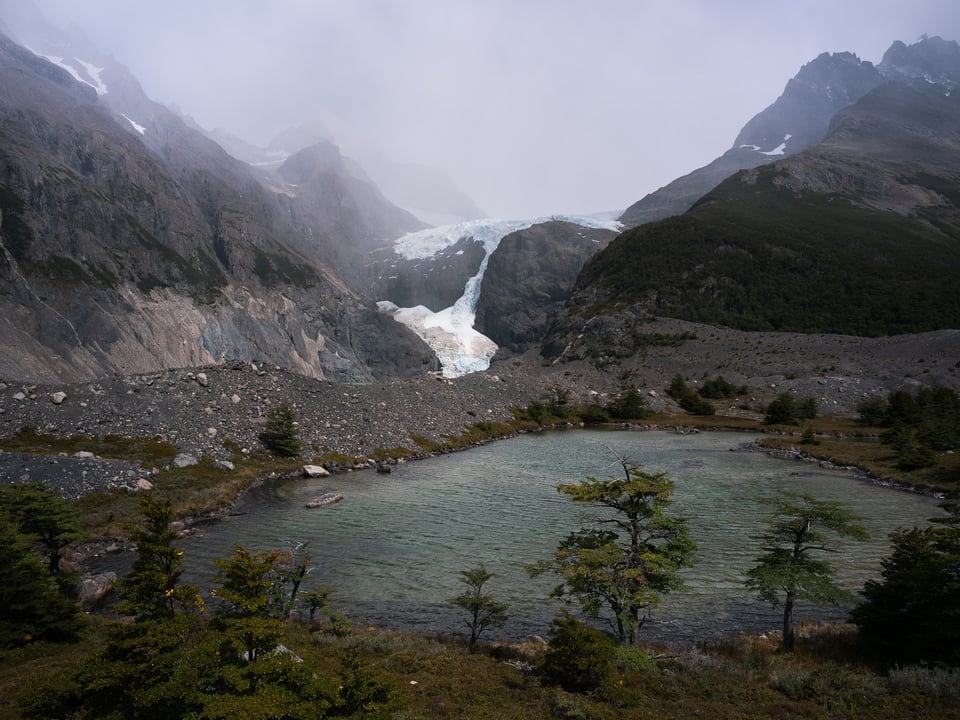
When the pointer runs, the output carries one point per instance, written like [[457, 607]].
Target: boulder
[[313, 471], [58, 397], [94, 588], [202, 379], [183, 460], [144, 484]]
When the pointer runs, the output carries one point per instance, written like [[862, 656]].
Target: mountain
[[529, 278], [426, 191], [798, 119], [423, 191], [859, 234], [131, 242]]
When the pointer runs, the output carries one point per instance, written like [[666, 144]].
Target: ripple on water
[[394, 547]]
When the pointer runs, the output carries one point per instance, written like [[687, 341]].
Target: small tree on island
[[484, 610], [787, 572], [281, 435], [627, 569]]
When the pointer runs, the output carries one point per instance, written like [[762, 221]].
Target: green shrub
[[281, 435], [580, 658]]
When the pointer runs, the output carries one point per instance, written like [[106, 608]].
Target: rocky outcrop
[[529, 278], [803, 115], [131, 250], [436, 282]]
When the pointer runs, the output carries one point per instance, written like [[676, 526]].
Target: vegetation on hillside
[[920, 425], [758, 256]]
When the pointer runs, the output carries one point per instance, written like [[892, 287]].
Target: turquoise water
[[394, 546]]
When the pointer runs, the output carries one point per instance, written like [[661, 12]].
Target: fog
[[533, 107]]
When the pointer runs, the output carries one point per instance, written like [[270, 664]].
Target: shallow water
[[393, 548]]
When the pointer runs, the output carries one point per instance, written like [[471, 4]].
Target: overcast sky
[[533, 107]]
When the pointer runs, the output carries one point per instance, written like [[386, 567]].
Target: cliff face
[[129, 245], [529, 278]]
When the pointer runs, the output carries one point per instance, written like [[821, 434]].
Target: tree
[[42, 514], [912, 614], [248, 610], [628, 405], [281, 435], [787, 572], [151, 589], [687, 399], [31, 605], [557, 400], [483, 609], [627, 568]]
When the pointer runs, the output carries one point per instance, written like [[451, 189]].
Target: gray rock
[[58, 397], [202, 379], [183, 460], [313, 471], [93, 589]]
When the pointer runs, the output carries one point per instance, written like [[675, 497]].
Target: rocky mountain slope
[[130, 242], [801, 116], [857, 235], [529, 278]]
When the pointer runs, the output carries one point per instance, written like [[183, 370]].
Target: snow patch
[[779, 149], [136, 126], [92, 71], [751, 147], [449, 332]]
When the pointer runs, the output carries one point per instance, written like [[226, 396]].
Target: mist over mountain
[[134, 239], [858, 234], [798, 119], [132, 242]]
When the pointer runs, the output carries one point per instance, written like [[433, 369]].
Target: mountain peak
[[931, 58]]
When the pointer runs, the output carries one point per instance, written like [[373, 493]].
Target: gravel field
[[201, 409]]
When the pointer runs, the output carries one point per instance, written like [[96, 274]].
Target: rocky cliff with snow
[[129, 242], [800, 117]]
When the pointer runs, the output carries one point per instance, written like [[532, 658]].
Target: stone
[[58, 397], [83, 454], [183, 460], [19, 396], [314, 471], [235, 398], [202, 379], [144, 484], [93, 589], [225, 465]]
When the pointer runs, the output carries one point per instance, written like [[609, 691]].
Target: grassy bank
[[739, 677]]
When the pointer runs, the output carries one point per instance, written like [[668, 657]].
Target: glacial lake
[[393, 548]]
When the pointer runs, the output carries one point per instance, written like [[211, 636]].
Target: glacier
[[449, 332]]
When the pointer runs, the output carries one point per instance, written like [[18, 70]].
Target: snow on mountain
[[779, 149], [449, 332], [91, 71], [136, 126]]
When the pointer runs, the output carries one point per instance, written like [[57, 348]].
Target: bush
[[628, 405], [580, 658], [719, 389], [787, 410], [687, 399]]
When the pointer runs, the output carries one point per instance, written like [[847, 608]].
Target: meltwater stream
[[395, 545]]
